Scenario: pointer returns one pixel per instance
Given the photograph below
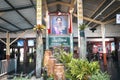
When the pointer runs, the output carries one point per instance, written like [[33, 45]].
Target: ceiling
[[20, 15]]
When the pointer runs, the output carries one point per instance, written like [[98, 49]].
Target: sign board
[[58, 41], [117, 18]]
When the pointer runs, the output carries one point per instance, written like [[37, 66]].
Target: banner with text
[[59, 41]]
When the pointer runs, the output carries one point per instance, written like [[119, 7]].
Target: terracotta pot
[[51, 65], [59, 72], [47, 54]]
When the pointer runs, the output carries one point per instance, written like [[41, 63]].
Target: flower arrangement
[[38, 27]]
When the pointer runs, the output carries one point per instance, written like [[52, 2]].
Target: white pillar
[[81, 40], [39, 41], [47, 27], [80, 18], [7, 46], [71, 42], [39, 12], [103, 43]]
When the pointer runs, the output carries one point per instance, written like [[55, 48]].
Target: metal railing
[[7, 66]]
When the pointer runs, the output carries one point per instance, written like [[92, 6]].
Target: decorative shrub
[[79, 69], [100, 76]]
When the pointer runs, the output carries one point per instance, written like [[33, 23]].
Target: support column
[[39, 53], [47, 24], [81, 40], [7, 46], [46, 18], [71, 42], [25, 51], [18, 56], [71, 34], [103, 44], [116, 48], [39, 41]]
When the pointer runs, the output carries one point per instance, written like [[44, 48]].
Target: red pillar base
[[7, 57], [105, 59]]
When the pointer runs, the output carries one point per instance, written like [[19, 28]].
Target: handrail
[[7, 66]]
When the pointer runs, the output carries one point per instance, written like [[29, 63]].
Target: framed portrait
[[59, 24]]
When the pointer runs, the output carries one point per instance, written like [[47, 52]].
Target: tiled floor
[[23, 69], [112, 68]]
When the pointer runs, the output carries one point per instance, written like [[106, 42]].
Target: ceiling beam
[[10, 23], [64, 3], [45, 5], [4, 29], [32, 4], [1, 30], [59, 2], [107, 16], [89, 9], [103, 10], [19, 8], [53, 3], [92, 20], [19, 13], [107, 22], [89, 19], [71, 9], [110, 21], [21, 30], [110, 13], [97, 8]]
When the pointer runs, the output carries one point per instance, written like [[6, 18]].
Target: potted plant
[[77, 69], [80, 69], [82, 28]]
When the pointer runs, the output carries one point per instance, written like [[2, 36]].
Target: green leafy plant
[[20, 78], [82, 26], [50, 78], [78, 69], [82, 69], [100, 76], [62, 56], [65, 58]]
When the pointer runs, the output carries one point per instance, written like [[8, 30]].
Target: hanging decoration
[[70, 28], [39, 27]]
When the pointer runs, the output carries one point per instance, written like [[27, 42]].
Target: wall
[[111, 31]]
